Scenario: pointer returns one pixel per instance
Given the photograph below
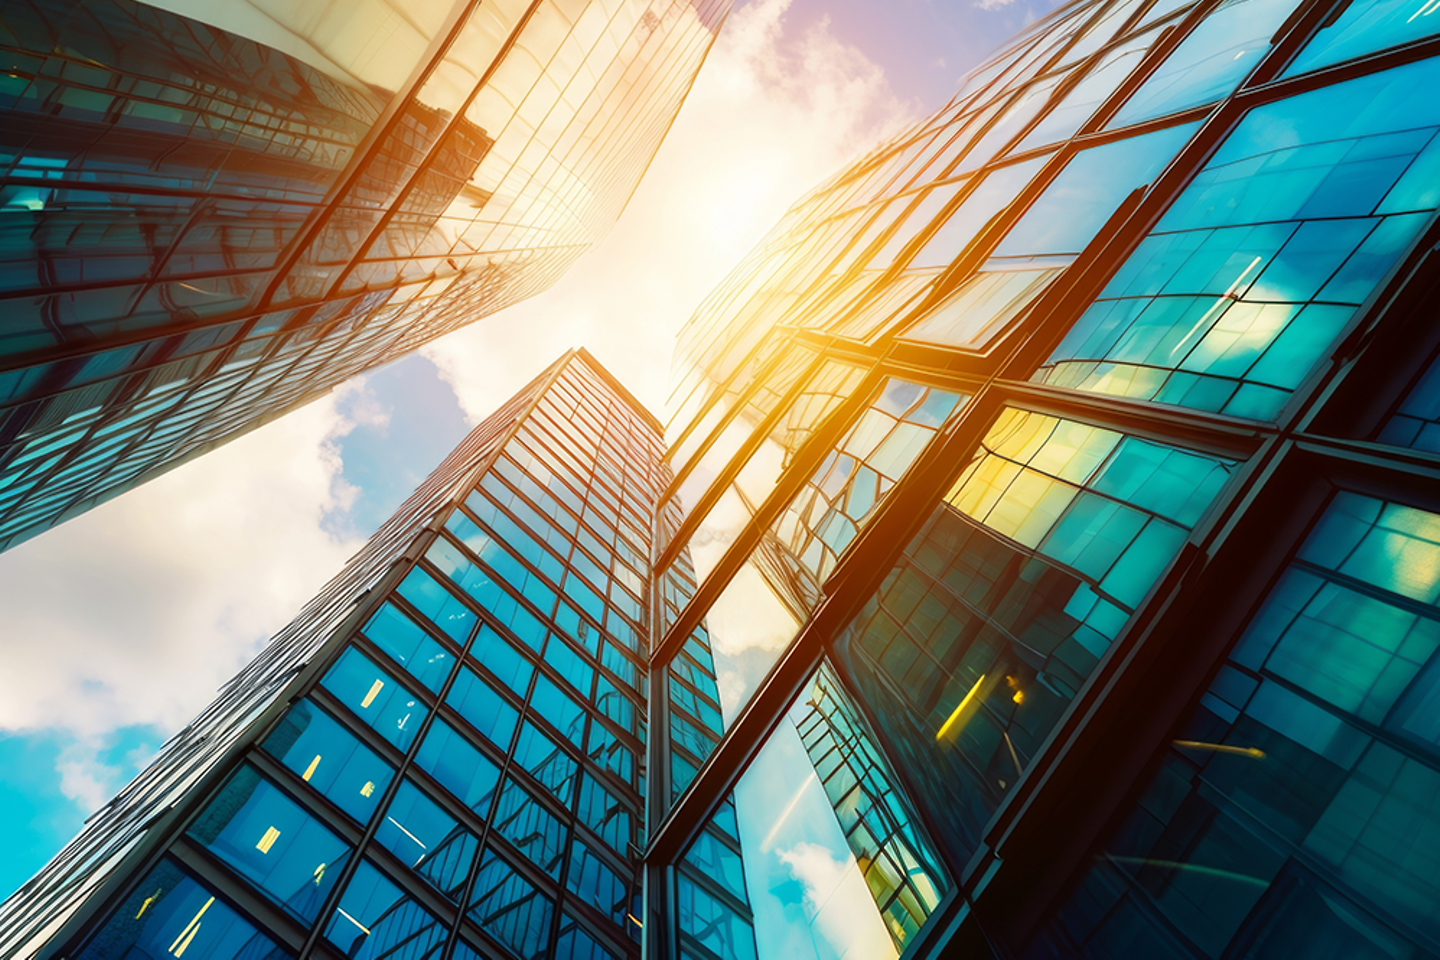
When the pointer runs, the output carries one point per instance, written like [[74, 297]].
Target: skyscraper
[[444, 755], [1060, 483], [211, 213]]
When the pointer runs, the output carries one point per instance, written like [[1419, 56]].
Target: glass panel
[[975, 315], [458, 766], [750, 628], [1219, 53], [410, 646], [438, 604], [1079, 201], [172, 914], [1417, 423], [1070, 114], [539, 756], [1004, 604], [269, 840], [993, 194], [375, 919], [427, 839], [1261, 262], [482, 707], [330, 759], [533, 830], [376, 697], [710, 913], [1365, 26], [510, 909], [1294, 815]]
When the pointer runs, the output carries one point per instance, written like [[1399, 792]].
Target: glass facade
[[211, 213], [1041, 560]]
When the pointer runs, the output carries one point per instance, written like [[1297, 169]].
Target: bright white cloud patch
[[772, 114], [217, 556], [835, 895]]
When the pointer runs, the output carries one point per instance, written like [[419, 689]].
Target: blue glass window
[[405, 642], [514, 537], [490, 595], [1417, 423], [558, 709], [330, 759], [574, 943], [569, 665], [375, 697], [1260, 264], [495, 654], [271, 841], [608, 817], [427, 839], [538, 755], [483, 707], [458, 766], [376, 919], [172, 914], [713, 924], [1362, 27], [609, 753], [596, 884], [442, 607], [615, 705], [532, 829], [509, 908]]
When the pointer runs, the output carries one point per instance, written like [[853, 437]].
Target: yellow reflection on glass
[[375, 689], [1255, 752], [368, 789], [183, 940], [145, 905], [310, 770], [953, 720], [268, 841]]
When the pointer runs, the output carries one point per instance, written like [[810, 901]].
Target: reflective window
[[510, 909], [377, 919], [438, 604], [538, 755], [1364, 26], [1262, 261], [716, 920], [375, 697], [976, 313], [330, 759], [1417, 423], [559, 709], [410, 646], [482, 707], [458, 766], [170, 913], [490, 595], [532, 829], [1078, 202], [495, 654], [994, 194], [271, 841], [594, 883], [605, 815], [427, 839], [1295, 813], [1219, 53], [1076, 107], [574, 943]]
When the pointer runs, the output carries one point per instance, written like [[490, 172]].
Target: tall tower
[[444, 755], [215, 212]]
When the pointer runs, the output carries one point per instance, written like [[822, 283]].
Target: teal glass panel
[[375, 697], [1362, 27], [438, 604], [489, 594], [539, 756], [483, 708], [458, 766], [1258, 267], [592, 880], [376, 919], [509, 908], [169, 912], [1417, 423], [559, 709], [530, 828], [427, 839], [410, 646], [330, 759], [271, 841], [505, 663], [1078, 202]]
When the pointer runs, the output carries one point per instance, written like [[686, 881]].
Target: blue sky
[[122, 623]]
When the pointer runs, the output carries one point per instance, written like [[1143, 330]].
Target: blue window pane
[[1362, 27], [511, 534], [609, 753], [1085, 194], [615, 705], [538, 755], [410, 646], [458, 766], [427, 839], [714, 925], [994, 194], [495, 654], [1259, 265], [570, 665], [510, 909], [559, 709], [593, 882], [377, 919], [532, 829], [717, 861], [574, 943], [330, 759], [375, 697], [482, 707], [489, 594], [438, 604], [605, 815], [577, 627], [171, 913], [271, 841]]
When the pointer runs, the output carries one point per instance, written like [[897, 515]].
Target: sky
[[120, 626]]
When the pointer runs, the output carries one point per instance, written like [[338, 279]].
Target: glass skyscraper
[[444, 755], [1060, 490], [213, 212]]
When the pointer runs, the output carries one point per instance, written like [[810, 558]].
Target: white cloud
[[136, 612], [771, 115], [838, 902]]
